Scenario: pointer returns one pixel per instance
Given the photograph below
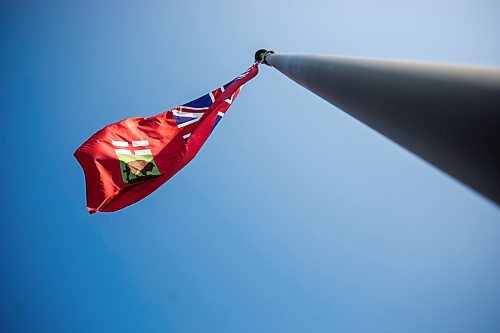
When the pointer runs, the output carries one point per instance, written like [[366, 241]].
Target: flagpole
[[449, 115]]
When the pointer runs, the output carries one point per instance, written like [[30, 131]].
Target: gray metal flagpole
[[449, 115]]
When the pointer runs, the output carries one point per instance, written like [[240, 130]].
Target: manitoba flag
[[126, 161]]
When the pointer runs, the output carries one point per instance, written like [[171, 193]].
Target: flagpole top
[[260, 56]]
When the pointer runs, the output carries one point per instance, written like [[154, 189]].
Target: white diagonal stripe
[[123, 151], [186, 136], [188, 122], [192, 108], [140, 143], [143, 152], [187, 114], [119, 143], [220, 114]]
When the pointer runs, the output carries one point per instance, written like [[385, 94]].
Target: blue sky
[[294, 217]]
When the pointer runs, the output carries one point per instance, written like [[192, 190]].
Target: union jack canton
[[190, 113]]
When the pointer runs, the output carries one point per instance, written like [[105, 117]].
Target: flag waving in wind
[[126, 161]]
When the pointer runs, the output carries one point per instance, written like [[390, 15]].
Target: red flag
[[126, 161]]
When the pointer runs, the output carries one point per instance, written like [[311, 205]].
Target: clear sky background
[[294, 217]]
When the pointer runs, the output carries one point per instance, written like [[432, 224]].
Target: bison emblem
[[141, 169]]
